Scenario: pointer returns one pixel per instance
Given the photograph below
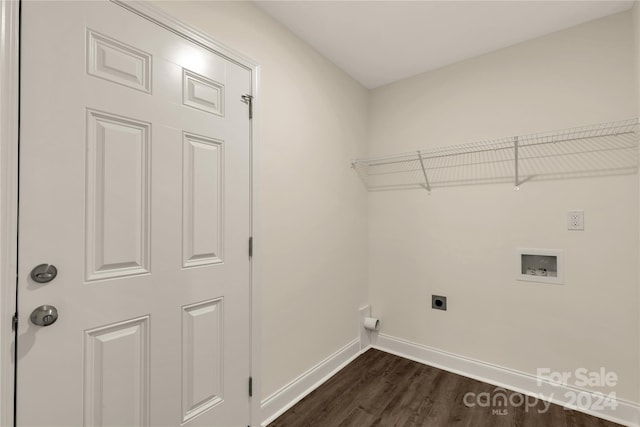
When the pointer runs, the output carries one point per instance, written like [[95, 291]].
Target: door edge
[[9, 134]]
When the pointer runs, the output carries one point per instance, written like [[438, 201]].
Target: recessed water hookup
[[539, 265]]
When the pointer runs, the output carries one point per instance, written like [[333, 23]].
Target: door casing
[[9, 116], [9, 156]]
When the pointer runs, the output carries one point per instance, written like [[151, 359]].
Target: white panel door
[[135, 185]]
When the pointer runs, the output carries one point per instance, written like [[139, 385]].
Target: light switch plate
[[575, 220]]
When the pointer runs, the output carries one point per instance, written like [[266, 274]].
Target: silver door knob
[[44, 315]]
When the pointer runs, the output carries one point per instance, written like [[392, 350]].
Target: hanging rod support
[[424, 172], [517, 179]]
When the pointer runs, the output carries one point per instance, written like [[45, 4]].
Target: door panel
[[118, 185], [202, 236], [202, 342], [135, 184], [110, 59], [116, 377]]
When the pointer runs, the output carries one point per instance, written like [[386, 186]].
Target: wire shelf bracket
[[515, 155], [424, 172]]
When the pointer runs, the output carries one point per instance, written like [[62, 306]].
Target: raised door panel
[[203, 174], [118, 192], [202, 93], [117, 375], [202, 350], [118, 62]]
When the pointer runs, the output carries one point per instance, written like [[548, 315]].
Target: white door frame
[[9, 109], [9, 131]]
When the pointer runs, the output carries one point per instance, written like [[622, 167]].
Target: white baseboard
[[280, 401], [626, 413]]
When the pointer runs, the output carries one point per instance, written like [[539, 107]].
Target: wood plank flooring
[[379, 389]]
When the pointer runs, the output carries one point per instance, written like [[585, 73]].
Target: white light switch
[[575, 220]]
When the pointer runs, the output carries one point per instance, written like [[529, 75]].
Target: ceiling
[[379, 42]]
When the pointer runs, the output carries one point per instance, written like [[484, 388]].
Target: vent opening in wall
[[540, 265]]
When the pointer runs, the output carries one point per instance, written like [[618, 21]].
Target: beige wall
[[311, 207], [460, 241]]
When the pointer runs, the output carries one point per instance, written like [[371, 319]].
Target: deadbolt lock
[[44, 273]]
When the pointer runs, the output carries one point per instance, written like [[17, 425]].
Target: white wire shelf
[[597, 150]]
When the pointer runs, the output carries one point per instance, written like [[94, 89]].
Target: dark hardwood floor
[[380, 389]]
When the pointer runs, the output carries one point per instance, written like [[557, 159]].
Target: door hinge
[[250, 386], [14, 322], [250, 246], [248, 99]]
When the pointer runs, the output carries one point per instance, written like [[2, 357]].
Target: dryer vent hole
[[439, 302]]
